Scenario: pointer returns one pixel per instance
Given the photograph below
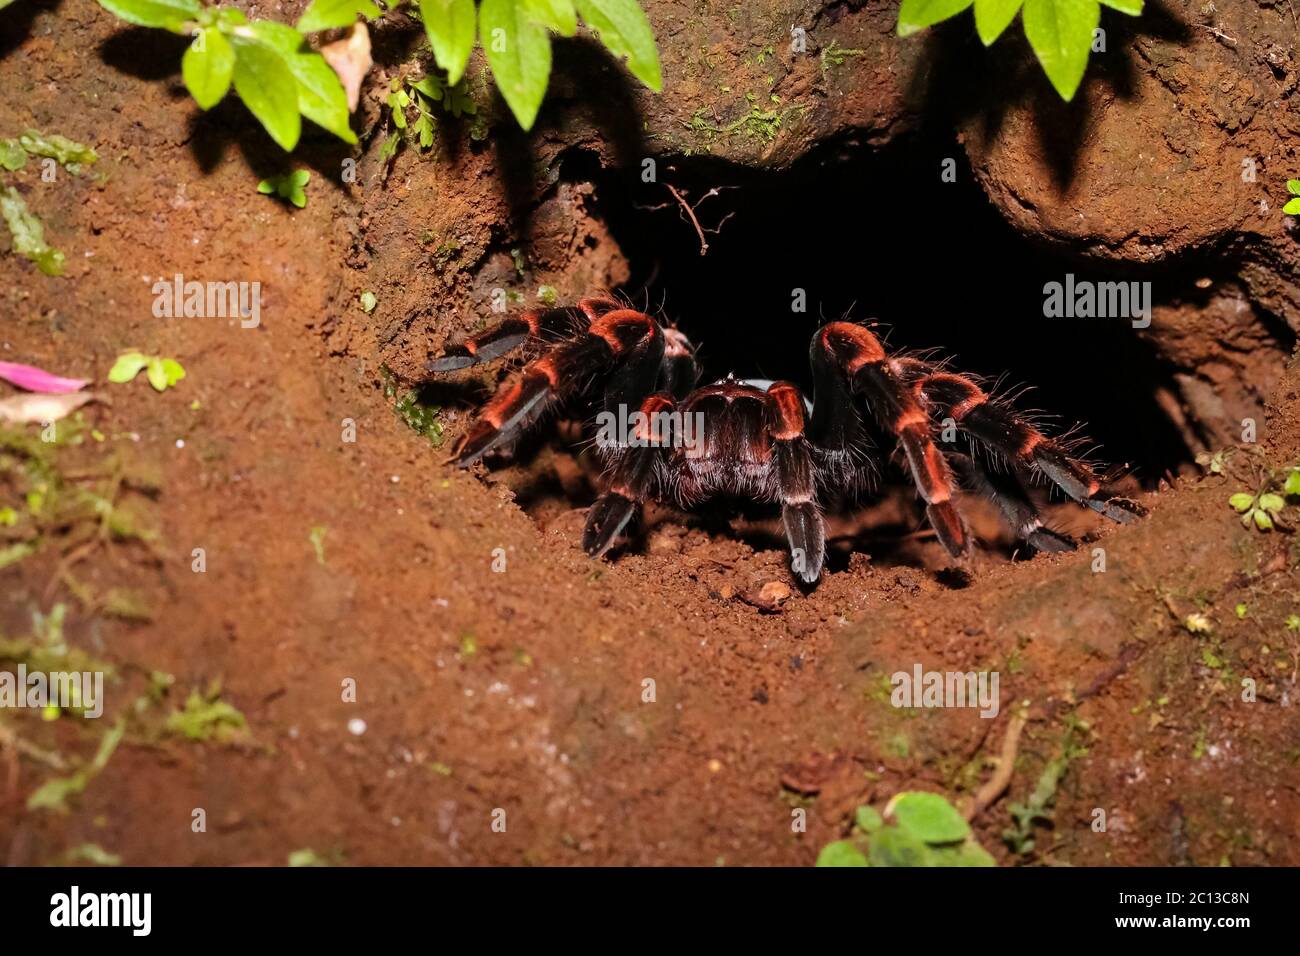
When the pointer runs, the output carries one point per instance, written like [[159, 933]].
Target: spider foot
[[1123, 510], [605, 521]]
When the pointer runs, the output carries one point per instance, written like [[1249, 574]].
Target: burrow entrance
[[868, 234]]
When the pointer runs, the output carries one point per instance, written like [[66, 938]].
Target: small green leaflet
[[450, 26], [207, 66], [325, 14], [916, 15], [557, 15], [267, 87], [12, 155], [1060, 31], [1132, 7], [625, 31], [28, 233], [165, 14], [992, 17], [67, 152], [519, 52]]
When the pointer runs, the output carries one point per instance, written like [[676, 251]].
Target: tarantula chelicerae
[[761, 439]]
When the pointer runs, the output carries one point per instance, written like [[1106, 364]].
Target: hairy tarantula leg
[[1002, 430], [842, 348], [537, 324], [630, 478], [612, 339], [1008, 493], [796, 483]]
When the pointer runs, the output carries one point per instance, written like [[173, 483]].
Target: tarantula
[[765, 440]]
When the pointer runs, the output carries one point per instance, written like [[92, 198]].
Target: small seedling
[[368, 302], [928, 832], [1261, 510], [291, 187], [163, 373], [206, 717]]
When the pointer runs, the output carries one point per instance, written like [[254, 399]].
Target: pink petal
[[38, 380]]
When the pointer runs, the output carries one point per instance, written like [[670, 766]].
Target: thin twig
[[690, 212], [1001, 779], [9, 738]]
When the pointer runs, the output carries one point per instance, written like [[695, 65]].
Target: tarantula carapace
[[765, 440]]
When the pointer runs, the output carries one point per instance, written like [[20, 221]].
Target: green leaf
[[153, 370], [519, 52], [893, 846], [450, 26], [1292, 486], [1294, 186], [325, 14], [12, 155], [207, 66], [67, 152], [127, 367], [1292, 208], [841, 853], [969, 853], [164, 14], [868, 819], [930, 818], [368, 302], [1262, 520], [625, 31], [267, 86], [206, 718], [1060, 31], [1241, 501], [320, 93], [557, 15], [1271, 502], [1132, 7], [916, 15], [994, 16], [28, 234], [172, 372]]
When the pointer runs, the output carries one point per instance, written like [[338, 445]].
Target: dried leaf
[[350, 59], [38, 407]]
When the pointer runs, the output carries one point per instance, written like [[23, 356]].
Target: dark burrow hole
[[877, 234]]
